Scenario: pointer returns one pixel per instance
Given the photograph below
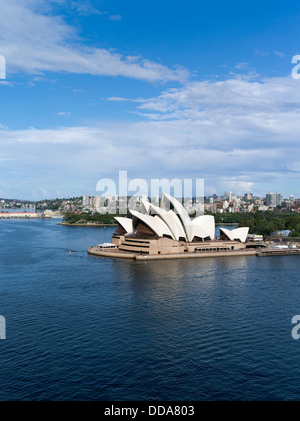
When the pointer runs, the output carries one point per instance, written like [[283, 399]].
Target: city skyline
[[271, 199], [162, 90], [226, 195]]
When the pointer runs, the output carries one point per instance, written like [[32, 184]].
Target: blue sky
[[162, 89]]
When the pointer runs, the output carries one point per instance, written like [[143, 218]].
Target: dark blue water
[[88, 328]]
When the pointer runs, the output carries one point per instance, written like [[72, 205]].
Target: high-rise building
[[85, 200], [274, 199], [230, 196], [97, 202]]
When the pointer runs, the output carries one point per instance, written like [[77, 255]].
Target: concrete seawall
[[88, 225], [97, 252], [195, 255]]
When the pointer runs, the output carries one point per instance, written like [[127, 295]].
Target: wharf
[[279, 252]]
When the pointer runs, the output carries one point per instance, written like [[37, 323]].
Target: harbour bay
[[81, 327]]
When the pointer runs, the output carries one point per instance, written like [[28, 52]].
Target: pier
[[277, 252]]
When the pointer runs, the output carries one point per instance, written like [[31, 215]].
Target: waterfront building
[[17, 215], [255, 237], [168, 230], [282, 233], [48, 213]]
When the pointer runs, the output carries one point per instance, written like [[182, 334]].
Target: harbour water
[[80, 327]]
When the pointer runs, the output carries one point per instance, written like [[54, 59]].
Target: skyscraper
[[85, 200], [274, 199]]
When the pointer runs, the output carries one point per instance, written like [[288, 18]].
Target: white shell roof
[[204, 223], [180, 211], [126, 223], [236, 234], [172, 221], [177, 224], [146, 205], [154, 223]]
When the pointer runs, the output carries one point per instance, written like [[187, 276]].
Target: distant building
[[258, 202], [263, 208], [97, 202], [16, 215], [86, 200], [284, 233], [287, 203], [230, 196], [274, 199], [255, 237]]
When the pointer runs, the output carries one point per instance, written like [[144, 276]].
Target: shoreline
[[88, 225], [226, 223], [91, 224]]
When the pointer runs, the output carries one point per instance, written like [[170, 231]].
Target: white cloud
[[116, 99], [115, 17], [261, 53], [242, 66], [64, 114], [122, 99], [270, 103], [279, 54], [84, 7], [235, 133], [33, 41]]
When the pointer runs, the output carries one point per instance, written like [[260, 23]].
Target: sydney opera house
[[168, 230]]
